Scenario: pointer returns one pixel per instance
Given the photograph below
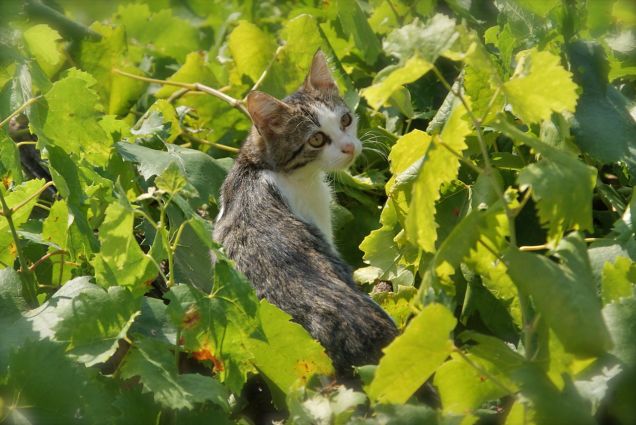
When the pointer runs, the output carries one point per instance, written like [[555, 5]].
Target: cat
[[275, 220]]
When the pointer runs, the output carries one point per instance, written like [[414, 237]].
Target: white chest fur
[[308, 195]]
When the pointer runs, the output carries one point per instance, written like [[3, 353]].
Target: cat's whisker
[[378, 152]]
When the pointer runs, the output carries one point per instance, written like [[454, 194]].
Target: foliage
[[493, 198]]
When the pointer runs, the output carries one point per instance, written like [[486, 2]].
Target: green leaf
[[619, 279], [202, 171], [72, 119], [354, 23], [567, 205], [96, 322], [252, 49], [10, 167], [194, 70], [564, 294], [603, 127], [120, 260], [620, 317], [99, 57], [161, 33], [190, 266], [463, 388], [438, 166], [43, 43], [549, 404], [540, 86], [426, 40], [14, 198], [425, 338], [11, 299], [485, 225], [286, 354], [412, 69], [74, 385], [154, 364], [303, 37], [217, 328], [171, 180], [397, 304]]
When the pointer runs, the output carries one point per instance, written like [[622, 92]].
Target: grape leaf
[[564, 294], [161, 32], [354, 23], [619, 279], [43, 43], [252, 49], [567, 205], [74, 126], [286, 354], [193, 70], [540, 86], [438, 166], [202, 171], [120, 260], [155, 366], [95, 322], [19, 195], [426, 338]]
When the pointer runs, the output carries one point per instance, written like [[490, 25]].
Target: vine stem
[[235, 103], [46, 257], [29, 199], [29, 284], [19, 110], [219, 146]]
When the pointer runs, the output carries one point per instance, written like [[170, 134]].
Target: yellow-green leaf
[[381, 91], [540, 86], [43, 43], [439, 166], [426, 339], [251, 48]]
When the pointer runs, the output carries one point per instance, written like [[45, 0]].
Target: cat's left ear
[[319, 77], [267, 112]]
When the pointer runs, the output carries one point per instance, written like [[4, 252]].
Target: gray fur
[[287, 260]]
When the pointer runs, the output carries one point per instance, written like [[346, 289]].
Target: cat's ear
[[319, 77], [267, 112]]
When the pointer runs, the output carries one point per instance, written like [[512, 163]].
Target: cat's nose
[[348, 148]]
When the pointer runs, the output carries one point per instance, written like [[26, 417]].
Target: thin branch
[[235, 103], [19, 110], [177, 94], [524, 201], [20, 144], [30, 198], [260, 80], [219, 146], [29, 284], [177, 236], [46, 257], [529, 248]]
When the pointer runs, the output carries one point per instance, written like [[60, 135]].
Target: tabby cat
[[275, 220]]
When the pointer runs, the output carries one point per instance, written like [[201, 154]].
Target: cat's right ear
[[267, 112]]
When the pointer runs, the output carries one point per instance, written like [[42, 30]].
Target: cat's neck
[[308, 195]]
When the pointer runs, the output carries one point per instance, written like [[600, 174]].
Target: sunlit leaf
[[397, 378]]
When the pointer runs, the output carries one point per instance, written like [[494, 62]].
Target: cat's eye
[[318, 139], [345, 120]]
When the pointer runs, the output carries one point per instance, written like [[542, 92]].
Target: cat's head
[[310, 129]]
